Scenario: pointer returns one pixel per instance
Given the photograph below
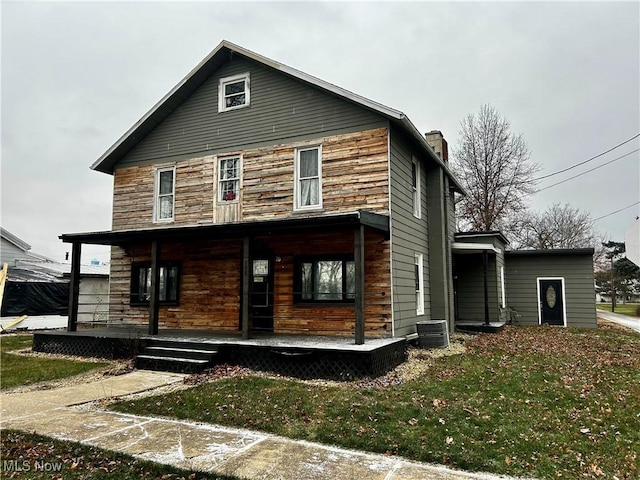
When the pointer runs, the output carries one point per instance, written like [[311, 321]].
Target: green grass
[[630, 309], [26, 455], [19, 370], [543, 402]]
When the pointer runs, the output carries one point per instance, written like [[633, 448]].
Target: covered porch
[[254, 283], [479, 281]]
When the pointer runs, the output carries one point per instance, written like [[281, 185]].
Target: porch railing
[[113, 309]]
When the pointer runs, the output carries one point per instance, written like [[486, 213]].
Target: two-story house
[[267, 199], [255, 198]]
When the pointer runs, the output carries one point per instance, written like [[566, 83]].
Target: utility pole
[[613, 288]]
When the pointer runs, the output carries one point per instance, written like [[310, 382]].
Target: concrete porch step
[[176, 356], [171, 364], [201, 354], [482, 327]]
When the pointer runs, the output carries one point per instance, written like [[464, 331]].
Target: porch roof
[[468, 247], [261, 227]]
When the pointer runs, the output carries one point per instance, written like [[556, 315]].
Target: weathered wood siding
[[522, 271], [209, 288], [210, 280], [330, 319], [282, 110], [133, 194], [408, 236], [354, 176]]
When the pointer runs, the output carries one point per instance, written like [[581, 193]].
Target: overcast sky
[[76, 76]]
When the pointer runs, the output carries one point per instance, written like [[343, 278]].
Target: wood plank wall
[[210, 284], [354, 176]]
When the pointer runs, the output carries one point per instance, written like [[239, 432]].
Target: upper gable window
[[308, 179], [415, 187], [233, 92], [164, 194]]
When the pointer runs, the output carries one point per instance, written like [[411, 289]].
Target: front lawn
[[630, 309], [27, 455], [542, 401], [19, 370]]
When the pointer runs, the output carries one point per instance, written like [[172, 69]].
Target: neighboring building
[[632, 242], [14, 250], [37, 285]]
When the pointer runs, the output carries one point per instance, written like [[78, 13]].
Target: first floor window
[[141, 284], [330, 280], [419, 279], [308, 182], [228, 179], [164, 193]]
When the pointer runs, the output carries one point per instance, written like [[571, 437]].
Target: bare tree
[[559, 226], [493, 165]]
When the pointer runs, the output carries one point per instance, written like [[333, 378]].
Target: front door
[[551, 302], [261, 298]]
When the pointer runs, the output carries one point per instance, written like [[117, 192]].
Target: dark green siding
[[470, 287], [408, 236], [440, 238], [281, 110], [522, 272]]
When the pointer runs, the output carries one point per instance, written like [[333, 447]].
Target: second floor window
[[164, 194], [415, 187], [228, 179], [308, 179]]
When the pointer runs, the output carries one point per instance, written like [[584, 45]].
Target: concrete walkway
[[624, 320], [59, 413]]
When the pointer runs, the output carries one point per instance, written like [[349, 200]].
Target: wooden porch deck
[[295, 355], [263, 339]]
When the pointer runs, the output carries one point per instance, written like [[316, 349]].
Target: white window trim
[[564, 299], [156, 195], [502, 289], [416, 192], [296, 181], [220, 201], [247, 91], [419, 262]]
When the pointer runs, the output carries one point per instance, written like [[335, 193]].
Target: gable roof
[[221, 54], [10, 237]]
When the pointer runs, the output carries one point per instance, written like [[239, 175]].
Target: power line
[[590, 159], [617, 211], [587, 171]]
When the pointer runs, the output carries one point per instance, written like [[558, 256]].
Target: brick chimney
[[439, 145]]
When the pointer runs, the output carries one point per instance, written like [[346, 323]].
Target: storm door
[[261, 298]]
